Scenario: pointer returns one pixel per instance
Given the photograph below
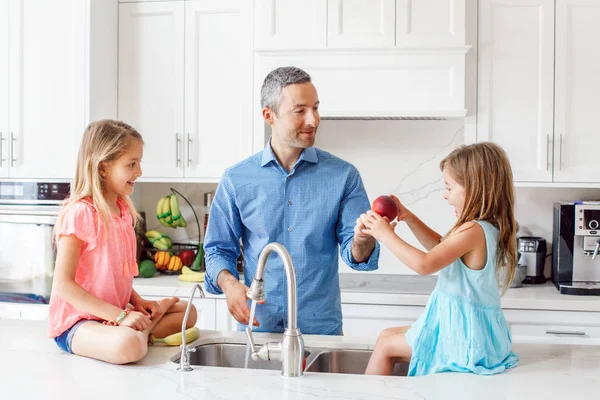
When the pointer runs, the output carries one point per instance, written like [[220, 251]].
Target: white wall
[[400, 157]]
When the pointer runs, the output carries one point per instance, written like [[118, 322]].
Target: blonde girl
[[462, 328], [94, 311]]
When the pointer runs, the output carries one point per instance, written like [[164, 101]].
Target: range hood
[[394, 83]]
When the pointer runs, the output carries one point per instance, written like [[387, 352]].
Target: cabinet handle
[[12, 150], [177, 158], [189, 150], [570, 333], [560, 163], [547, 152], [1, 140]]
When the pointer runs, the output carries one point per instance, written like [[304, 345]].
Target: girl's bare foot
[[165, 304]]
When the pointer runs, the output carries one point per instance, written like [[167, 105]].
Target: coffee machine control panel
[[587, 219]]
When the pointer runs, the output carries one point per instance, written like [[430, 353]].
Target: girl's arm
[[424, 234], [65, 287], [468, 237]]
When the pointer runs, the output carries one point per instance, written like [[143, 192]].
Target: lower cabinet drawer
[[368, 320], [560, 327]]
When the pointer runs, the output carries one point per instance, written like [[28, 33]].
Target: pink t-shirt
[[107, 263]]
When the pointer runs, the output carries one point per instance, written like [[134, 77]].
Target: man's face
[[296, 122]]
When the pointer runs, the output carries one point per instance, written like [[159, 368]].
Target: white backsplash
[[399, 157]]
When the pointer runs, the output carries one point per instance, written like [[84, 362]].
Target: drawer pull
[[571, 333]]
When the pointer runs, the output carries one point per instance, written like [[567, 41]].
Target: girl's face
[[121, 174], [454, 193]]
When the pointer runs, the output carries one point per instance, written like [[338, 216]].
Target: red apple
[[386, 207]]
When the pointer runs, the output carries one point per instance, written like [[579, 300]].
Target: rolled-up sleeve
[[354, 203], [222, 239]]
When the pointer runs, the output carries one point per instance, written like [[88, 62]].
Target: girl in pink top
[[94, 311]]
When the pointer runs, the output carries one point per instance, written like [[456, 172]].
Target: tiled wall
[[400, 157]]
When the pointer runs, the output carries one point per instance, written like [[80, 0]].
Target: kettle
[[532, 252]]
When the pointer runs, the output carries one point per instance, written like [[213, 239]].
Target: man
[[295, 194]]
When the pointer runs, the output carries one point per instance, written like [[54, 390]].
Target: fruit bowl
[[172, 260]]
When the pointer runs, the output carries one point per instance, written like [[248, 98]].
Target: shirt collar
[[309, 155]]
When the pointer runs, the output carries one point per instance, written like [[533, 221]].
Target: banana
[[175, 263], [159, 240], [174, 206], [193, 277], [159, 208], [176, 339], [166, 211]]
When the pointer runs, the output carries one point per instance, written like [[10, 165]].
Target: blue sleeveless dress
[[462, 328]]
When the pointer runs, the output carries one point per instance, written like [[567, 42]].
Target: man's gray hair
[[276, 80]]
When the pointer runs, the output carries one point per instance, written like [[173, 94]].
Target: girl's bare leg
[[391, 348], [115, 344], [171, 322]]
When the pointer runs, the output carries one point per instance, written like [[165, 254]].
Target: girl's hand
[[147, 307], [376, 225], [403, 212], [136, 320]]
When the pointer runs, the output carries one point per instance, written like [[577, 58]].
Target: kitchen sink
[[345, 361], [335, 361], [230, 355]]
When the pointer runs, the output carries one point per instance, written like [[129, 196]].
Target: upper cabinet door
[[361, 23], [218, 86], [151, 74], [515, 89], [46, 60], [577, 130], [430, 22], [289, 24], [4, 89]]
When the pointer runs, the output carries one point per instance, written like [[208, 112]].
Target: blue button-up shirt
[[310, 210]]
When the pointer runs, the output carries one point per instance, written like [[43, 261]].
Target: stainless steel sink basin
[[346, 361], [231, 355], [335, 361]]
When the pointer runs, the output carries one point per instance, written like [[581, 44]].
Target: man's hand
[[362, 243], [237, 300]]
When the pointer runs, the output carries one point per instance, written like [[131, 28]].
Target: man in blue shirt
[[295, 194]]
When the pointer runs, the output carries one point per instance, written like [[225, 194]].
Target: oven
[[28, 212]]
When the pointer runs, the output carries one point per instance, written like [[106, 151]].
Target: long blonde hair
[[484, 171], [103, 141]]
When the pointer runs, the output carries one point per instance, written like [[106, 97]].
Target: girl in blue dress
[[462, 328]]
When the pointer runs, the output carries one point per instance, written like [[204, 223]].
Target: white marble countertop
[[33, 367], [404, 290]]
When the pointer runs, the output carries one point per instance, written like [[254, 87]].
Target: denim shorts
[[64, 339]]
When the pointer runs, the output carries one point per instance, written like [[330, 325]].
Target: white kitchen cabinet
[[537, 87], [577, 88], [53, 64], [430, 22], [368, 320], [282, 24], [151, 83], [557, 327], [361, 23], [185, 81], [218, 86], [364, 24], [516, 83], [4, 88], [224, 320]]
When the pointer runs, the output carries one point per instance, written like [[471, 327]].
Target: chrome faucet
[[290, 351], [184, 359]]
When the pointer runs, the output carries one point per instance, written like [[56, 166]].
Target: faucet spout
[[290, 274], [291, 349]]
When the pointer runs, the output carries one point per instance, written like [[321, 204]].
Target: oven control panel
[[12, 192]]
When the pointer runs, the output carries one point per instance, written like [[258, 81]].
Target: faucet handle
[[596, 250], [251, 343]]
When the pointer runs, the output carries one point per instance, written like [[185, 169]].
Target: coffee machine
[[576, 248]]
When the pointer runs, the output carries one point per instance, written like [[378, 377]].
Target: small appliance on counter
[[532, 253], [576, 248]]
